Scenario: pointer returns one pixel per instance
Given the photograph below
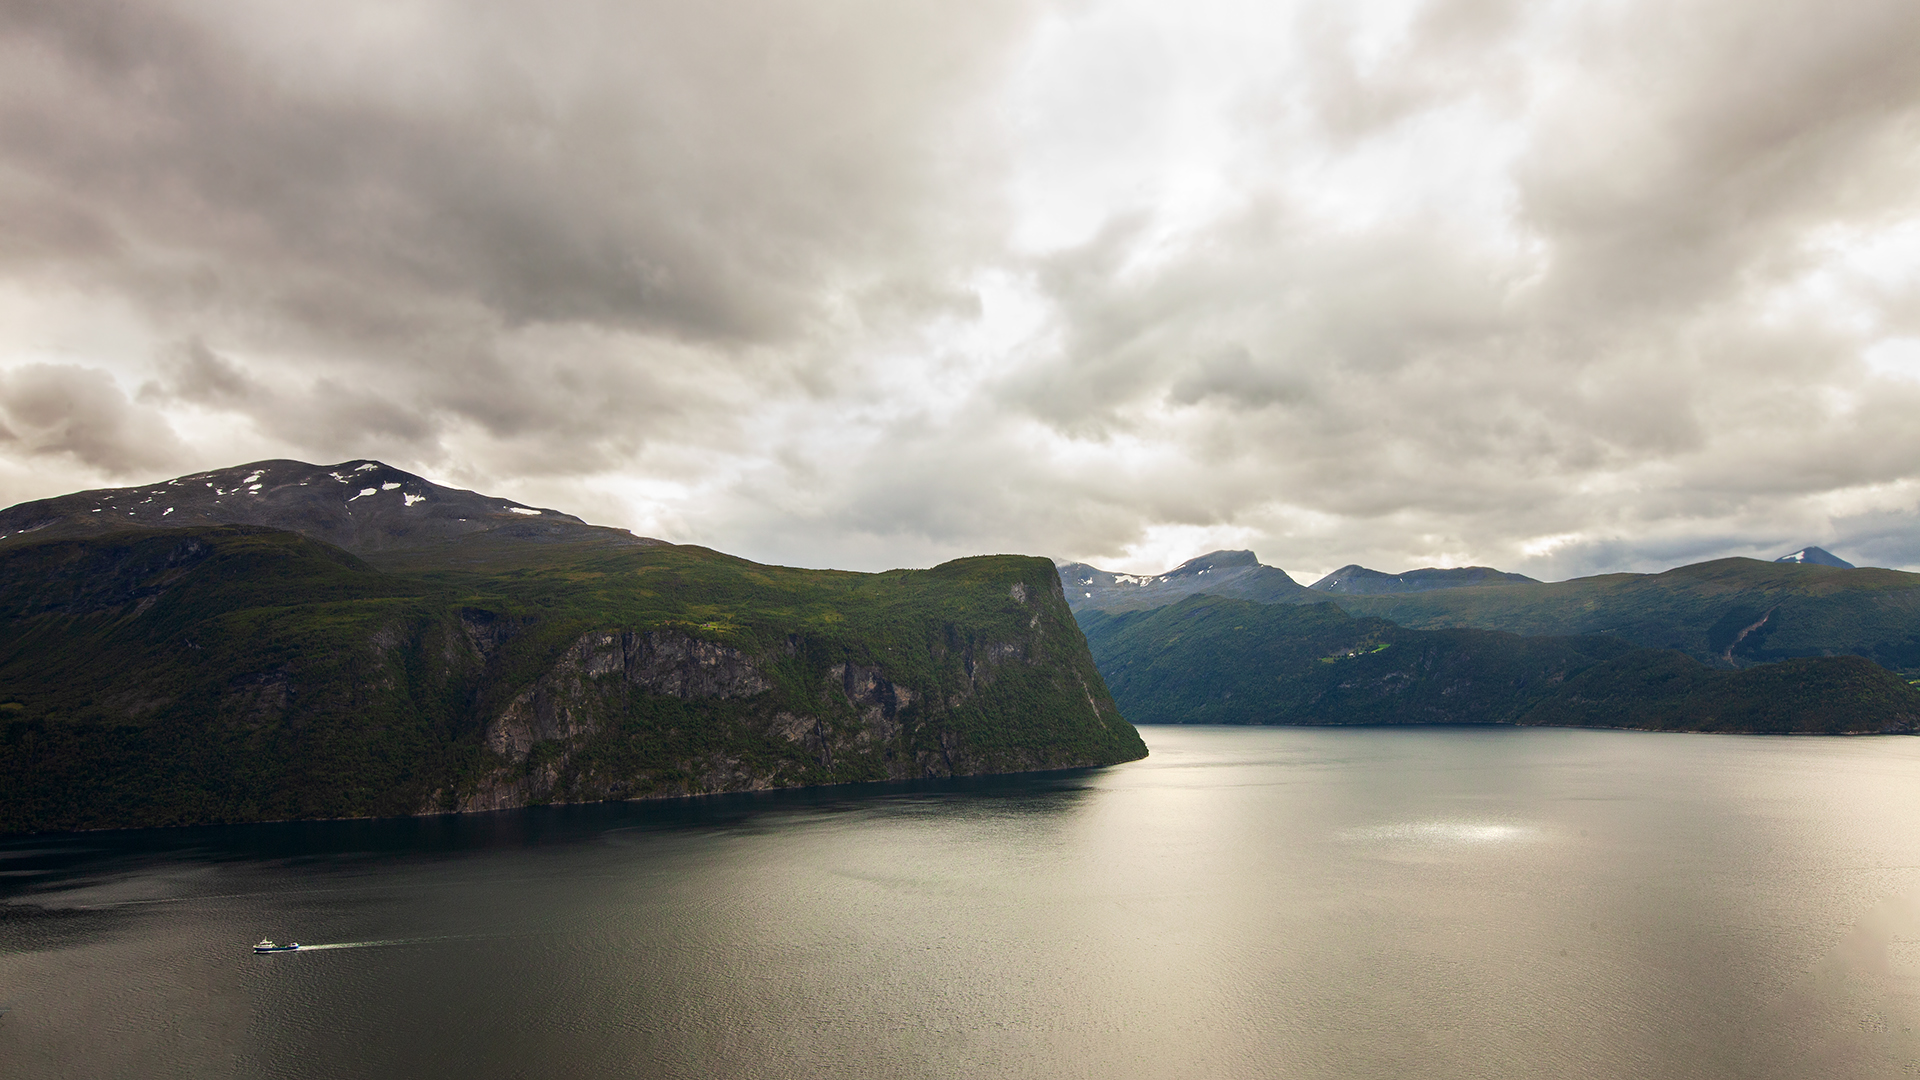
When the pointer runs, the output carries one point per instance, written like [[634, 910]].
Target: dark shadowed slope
[[1220, 573], [363, 506]]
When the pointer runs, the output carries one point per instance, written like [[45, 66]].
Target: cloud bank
[[1558, 287]]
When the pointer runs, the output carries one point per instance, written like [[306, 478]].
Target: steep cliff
[[155, 677], [958, 687]]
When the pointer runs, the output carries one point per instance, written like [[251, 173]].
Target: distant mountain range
[[1218, 573], [1800, 644], [1727, 612], [1214, 660], [1241, 575], [1360, 581]]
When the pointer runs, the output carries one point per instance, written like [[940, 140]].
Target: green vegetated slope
[[1217, 660], [213, 674], [1728, 613]]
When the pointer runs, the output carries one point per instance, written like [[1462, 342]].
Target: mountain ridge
[[1724, 612], [1221, 573], [1356, 579], [1732, 612], [361, 505]]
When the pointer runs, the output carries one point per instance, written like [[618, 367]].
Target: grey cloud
[[1620, 383], [80, 413], [573, 229], [622, 164], [1233, 377], [558, 418], [1453, 49], [724, 247], [1689, 160], [197, 374], [661, 186], [316, 413]]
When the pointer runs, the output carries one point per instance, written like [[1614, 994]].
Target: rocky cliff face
[[594, 681], [556, 740]]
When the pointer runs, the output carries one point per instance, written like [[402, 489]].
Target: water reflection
[[1445, 832], [107, 869], [1243, 903]]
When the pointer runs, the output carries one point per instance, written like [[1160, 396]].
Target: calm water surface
[[1244, 903]]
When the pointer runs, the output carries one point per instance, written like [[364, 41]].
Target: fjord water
[[1244, 903]]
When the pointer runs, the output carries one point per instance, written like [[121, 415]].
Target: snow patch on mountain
[[1816, 556]]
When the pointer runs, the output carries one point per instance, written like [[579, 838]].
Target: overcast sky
[[1554, 287]]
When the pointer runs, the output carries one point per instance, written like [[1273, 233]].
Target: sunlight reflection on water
[[1444, 832]]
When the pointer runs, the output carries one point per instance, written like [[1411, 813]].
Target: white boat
[[267, 945]]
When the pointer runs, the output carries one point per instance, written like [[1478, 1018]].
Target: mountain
[[1240, 574], [1218, 573], [237, 672], [1358, 580], [1733, 645], [363, 506], [1815, 556], [1211, 659], [1726, 613]]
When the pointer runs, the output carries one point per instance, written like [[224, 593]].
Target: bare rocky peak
[[364, 506]]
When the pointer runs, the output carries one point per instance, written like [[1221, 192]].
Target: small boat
[[266, 945]]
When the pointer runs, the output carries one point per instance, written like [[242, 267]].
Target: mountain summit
[[1816, 556], [1238, 574], [363, 506], [1360, 581]]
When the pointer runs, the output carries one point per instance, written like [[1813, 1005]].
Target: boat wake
[[384, 941]]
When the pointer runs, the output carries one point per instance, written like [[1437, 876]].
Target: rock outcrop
[[860, 720]]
